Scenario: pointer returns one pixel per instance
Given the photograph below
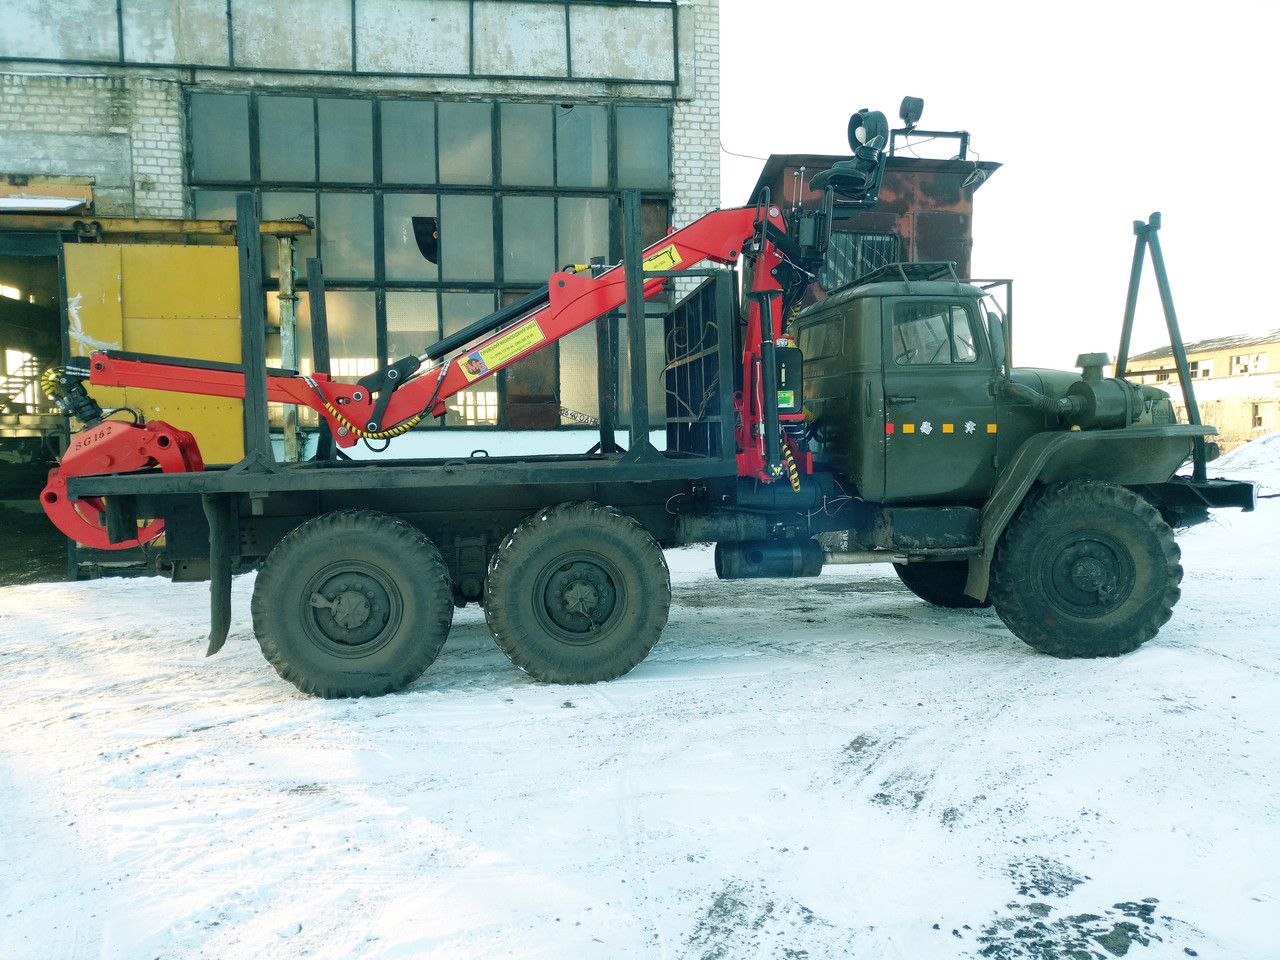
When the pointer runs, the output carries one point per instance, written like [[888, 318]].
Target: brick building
[[516, 123], [1236, 381]]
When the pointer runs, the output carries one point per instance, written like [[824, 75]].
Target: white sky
[[1101, 113]]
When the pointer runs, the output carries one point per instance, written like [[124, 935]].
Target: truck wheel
[[352, 604], [577, 593], [941, 584], [1087, 570]]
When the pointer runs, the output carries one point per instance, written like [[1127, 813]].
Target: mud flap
[[979, 577], [217, 510]]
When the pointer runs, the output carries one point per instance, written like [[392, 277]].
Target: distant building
[[1236, 381]]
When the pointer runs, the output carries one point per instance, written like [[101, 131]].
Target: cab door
[[939, 409]]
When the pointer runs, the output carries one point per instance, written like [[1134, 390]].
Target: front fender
[[1132, 456]]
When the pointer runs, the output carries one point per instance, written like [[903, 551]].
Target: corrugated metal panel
[[181, 301]]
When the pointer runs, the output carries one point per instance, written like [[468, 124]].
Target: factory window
[[528, 158], [286, 138], [220, 138], [1248, 363], [517, 190]]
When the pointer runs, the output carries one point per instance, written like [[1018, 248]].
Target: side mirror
[[995, 331]]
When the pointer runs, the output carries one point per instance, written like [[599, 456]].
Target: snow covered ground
[[812, 768]]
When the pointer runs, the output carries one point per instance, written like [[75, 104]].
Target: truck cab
[[901, 379]]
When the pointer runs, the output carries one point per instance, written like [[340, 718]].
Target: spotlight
[[910, 110]]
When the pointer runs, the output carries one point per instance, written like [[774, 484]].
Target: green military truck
[[882, 424]]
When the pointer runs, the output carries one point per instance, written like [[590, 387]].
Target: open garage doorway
[[31, 429]]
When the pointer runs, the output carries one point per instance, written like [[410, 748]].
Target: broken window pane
[[582, 146], [404, 260]]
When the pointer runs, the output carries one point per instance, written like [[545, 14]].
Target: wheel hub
[[579, 596], [349, 608], [1090, 576]]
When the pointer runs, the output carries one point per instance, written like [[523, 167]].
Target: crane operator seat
[[858, 179]]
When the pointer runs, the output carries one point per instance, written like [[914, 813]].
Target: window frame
[[939, 304], [498, 285]]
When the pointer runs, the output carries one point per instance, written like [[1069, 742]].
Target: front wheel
[[1086, 570], [352, 604], [577, 593]]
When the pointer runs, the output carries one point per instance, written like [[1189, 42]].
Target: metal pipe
[[288, 338], [1131, 299], [513, 311], [1175, 341], [633, 255], [319, 345], [862, 556]]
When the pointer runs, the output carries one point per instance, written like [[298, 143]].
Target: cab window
[[929, 332], [822, 339]]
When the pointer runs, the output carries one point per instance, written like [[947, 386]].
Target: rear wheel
[[577, 593], [1086, 570], [352, 604], [941, 584]]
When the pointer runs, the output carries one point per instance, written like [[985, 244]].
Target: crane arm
[[572, 301]]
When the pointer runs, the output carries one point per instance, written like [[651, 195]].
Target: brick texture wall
[[124, 132], [696, 156]]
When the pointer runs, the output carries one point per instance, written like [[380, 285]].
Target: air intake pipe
[[1089, 404]]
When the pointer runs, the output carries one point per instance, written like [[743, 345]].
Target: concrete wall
[[484, 38]]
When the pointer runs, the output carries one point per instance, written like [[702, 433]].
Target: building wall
[[1236, 385], [123, 131], [90, 90], [696, 144], [103, 90]]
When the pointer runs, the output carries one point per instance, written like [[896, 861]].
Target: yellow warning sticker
[[519, 339], [668, 258]]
